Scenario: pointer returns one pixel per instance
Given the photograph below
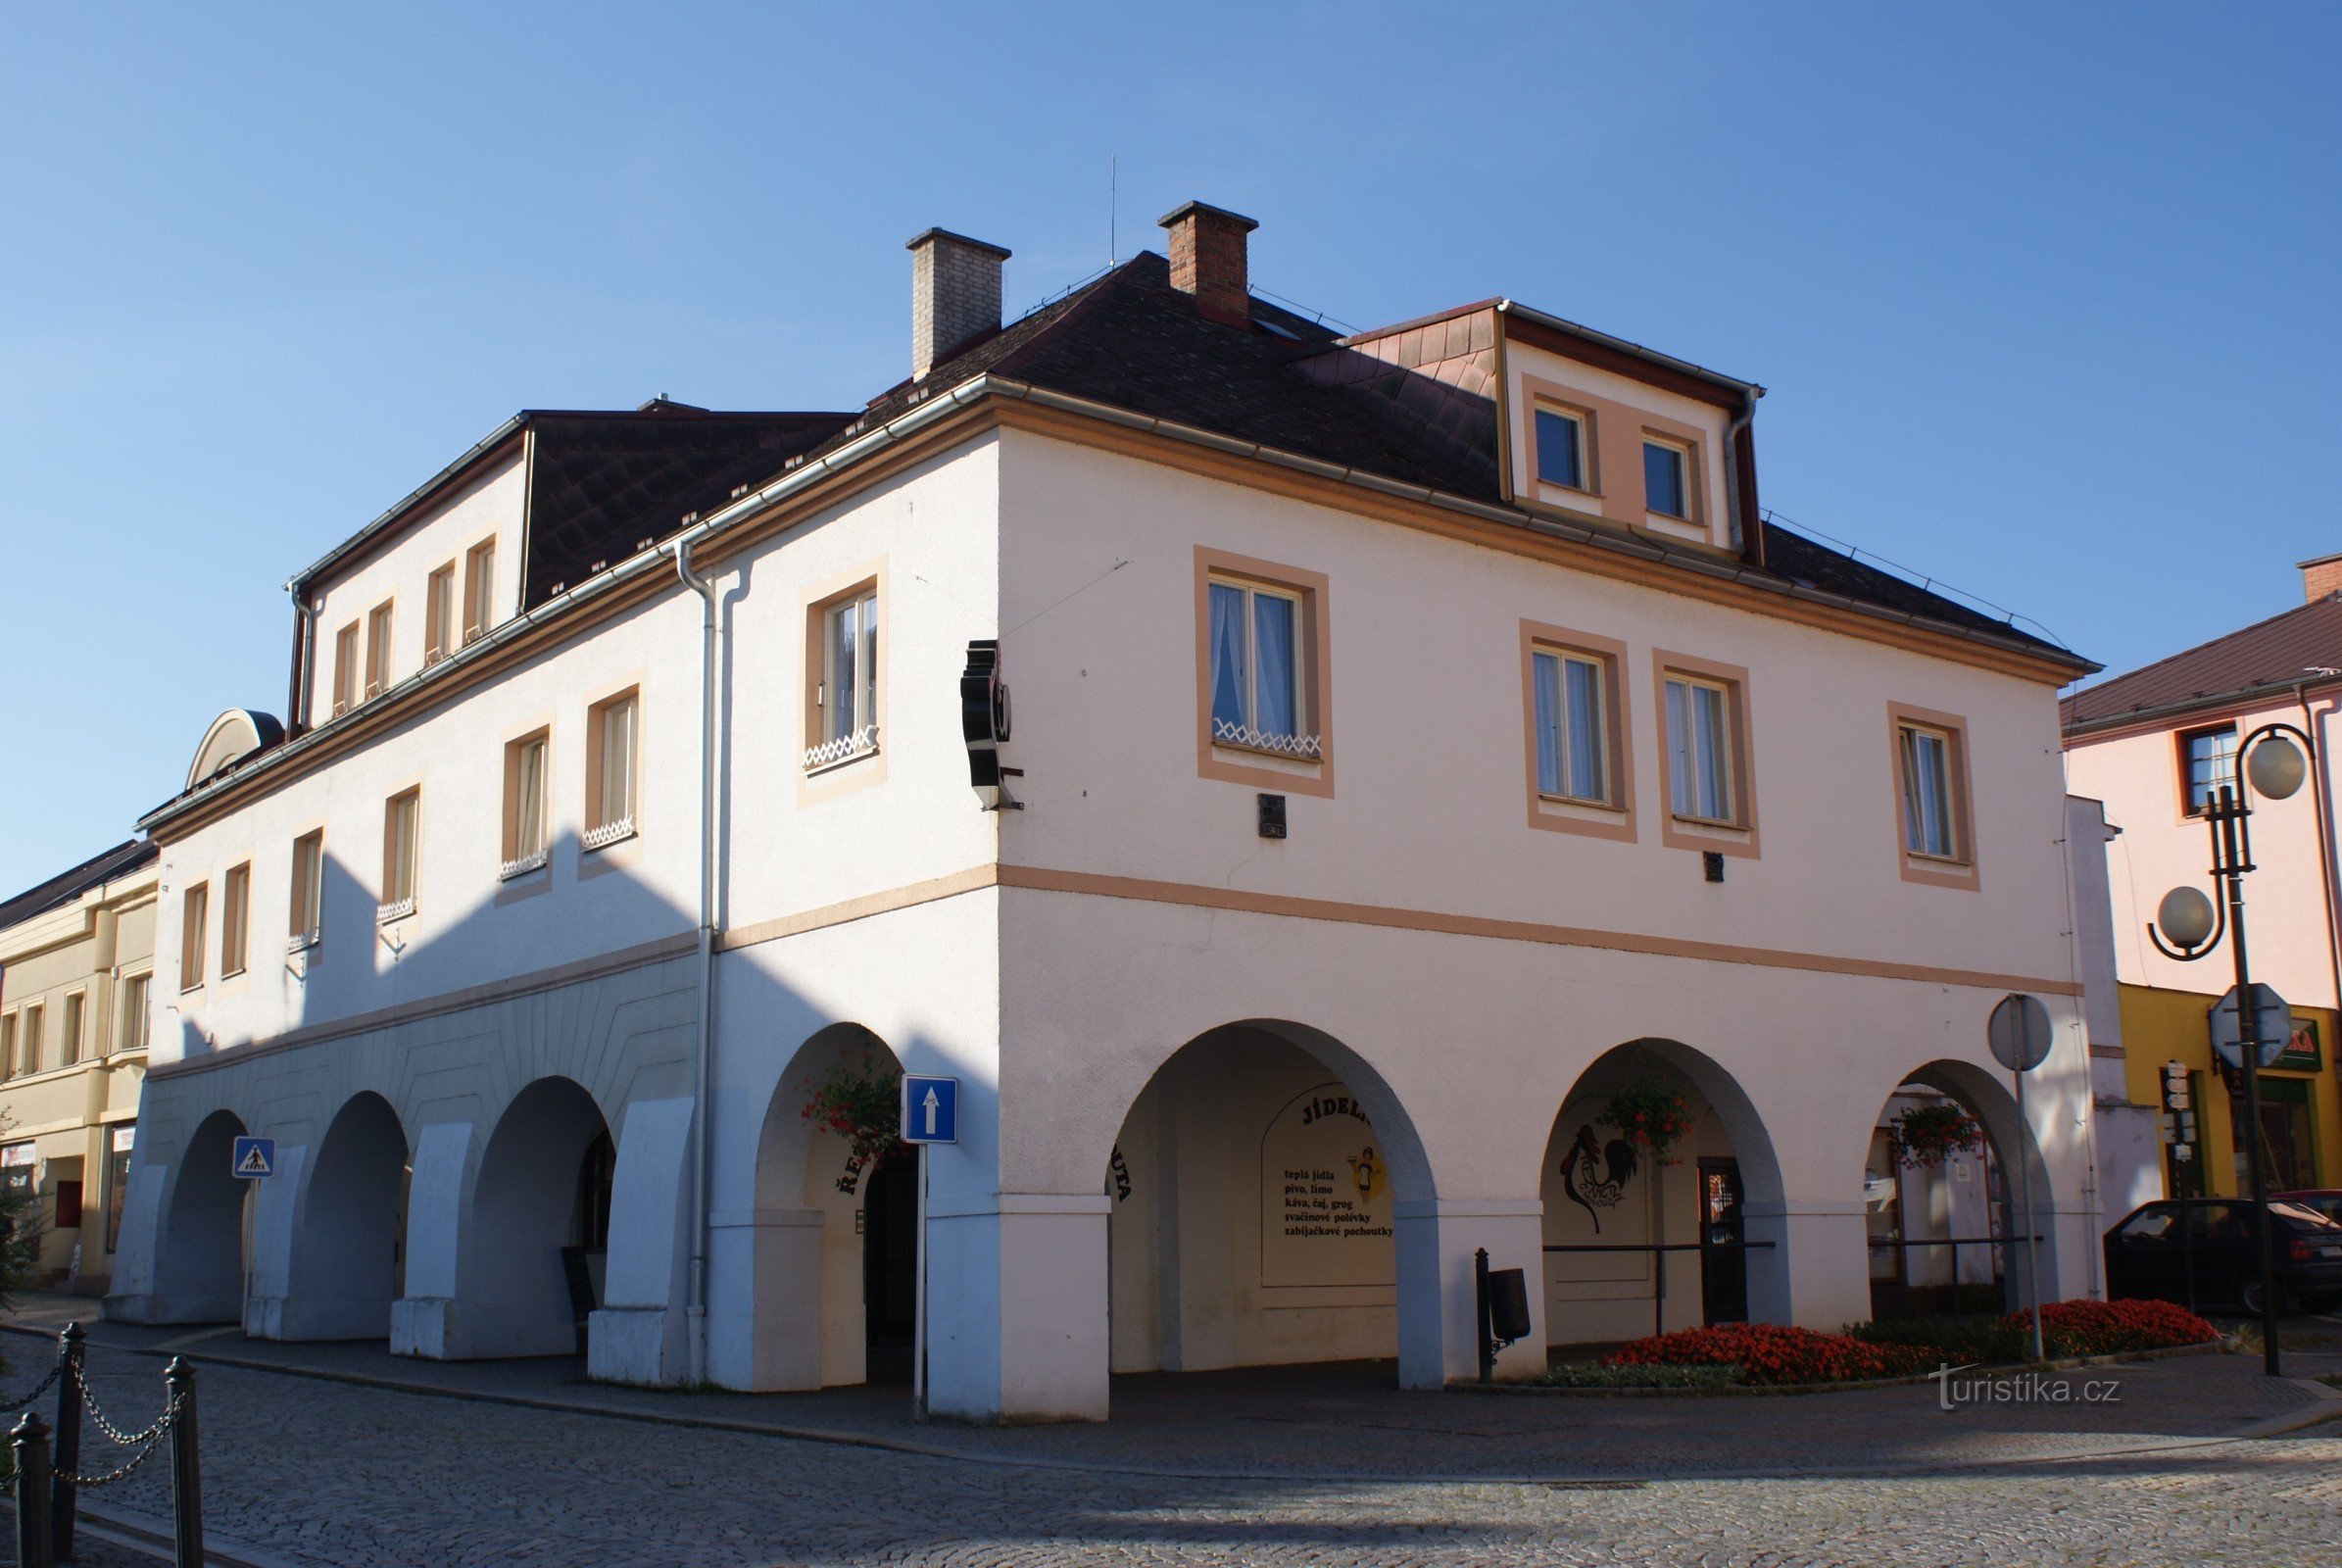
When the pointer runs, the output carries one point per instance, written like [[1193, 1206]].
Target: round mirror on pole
[[2184, 916], [2276, 767]]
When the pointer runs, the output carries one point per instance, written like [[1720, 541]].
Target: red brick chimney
[[1208, 260], [2321, 577]]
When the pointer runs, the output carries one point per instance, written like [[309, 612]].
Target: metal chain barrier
[[146, 1444], [112, 1434], [43, 1473], [12, 1406]]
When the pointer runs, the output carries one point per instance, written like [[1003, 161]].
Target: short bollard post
[[29, 1444], [186, 1478], [72, 1347]]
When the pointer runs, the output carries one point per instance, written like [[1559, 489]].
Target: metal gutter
[[413, 498], [655, 558], [2192, 705], [1528, 312], [941, 405]]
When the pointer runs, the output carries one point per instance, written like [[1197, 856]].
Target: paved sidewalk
[[311, 1471], [1350, 1421]]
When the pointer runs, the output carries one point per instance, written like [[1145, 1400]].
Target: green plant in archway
[[1650, 1115], [1924, 1137], [861, 1103]]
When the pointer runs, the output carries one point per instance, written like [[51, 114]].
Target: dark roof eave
[[944, 400], [1511, 306], [472, 456], [2131, 718]]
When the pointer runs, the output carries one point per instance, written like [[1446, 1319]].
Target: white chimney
[[955, 295]]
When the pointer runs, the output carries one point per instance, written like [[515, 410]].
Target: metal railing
[[1658, 1251]]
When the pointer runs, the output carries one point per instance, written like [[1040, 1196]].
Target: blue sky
[[2044, 295]]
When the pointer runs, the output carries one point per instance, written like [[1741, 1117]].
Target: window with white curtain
[[402, 824], [1930, 824], [612, 737], [1258, 699], [1573, 761], [848, 696], [525, 784], [1700, 750]]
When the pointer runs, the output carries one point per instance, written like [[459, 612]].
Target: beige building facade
[[77, 961]]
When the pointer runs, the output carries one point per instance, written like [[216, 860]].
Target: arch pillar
[[764, 1298], [1816, 1273], [424, 1321], [1022, 1333], [641, 1332], [189, 1222], [275, 1207], [1439, 1285]]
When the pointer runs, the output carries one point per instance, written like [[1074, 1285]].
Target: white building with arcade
[[1421, 740]]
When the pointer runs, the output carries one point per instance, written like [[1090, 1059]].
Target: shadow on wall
[[471, 1182]]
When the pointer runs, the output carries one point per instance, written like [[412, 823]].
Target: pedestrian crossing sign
[[255, 1158]]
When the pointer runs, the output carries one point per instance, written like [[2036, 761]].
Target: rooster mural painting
[[1592, 1191]]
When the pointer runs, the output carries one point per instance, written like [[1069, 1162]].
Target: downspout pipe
[[1731, 467], [701, 1062], [305, 643], [2321, 802]]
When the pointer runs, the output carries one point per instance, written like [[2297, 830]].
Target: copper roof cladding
[[2300, 645]]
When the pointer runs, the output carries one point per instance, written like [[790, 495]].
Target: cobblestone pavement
[[306, 1471]]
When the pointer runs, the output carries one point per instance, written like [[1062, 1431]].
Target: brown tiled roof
[[1129, 340], [2268, 655]]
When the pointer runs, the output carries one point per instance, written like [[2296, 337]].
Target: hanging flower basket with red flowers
[[1926, 1136], [861, 1103], [1650, 1115]]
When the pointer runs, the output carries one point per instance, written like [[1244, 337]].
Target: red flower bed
[[1768, 1353], [2109, 1328]]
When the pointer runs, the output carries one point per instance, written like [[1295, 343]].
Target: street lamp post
[[2275, 768]]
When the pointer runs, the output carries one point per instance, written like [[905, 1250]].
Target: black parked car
[[2148, 1254]]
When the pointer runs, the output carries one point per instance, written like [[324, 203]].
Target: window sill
[[301, 941], [237, 973], [1578, 802], [190, 988], [1287, 747], [392, 914], [1580, 492], [845, 749], [1923, 860], [1713, 825], [599, 838], [523, 865]]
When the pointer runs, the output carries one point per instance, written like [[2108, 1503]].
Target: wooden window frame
[[398, 900], [1687, 454], [517, 858], [1681, 830], [130, 1029], [73, 1026], [1958, 870], [235, 921], [33, 1031], [824, 781], [480, 589], [305, 905], [439, 609], [602, 829], [9, 1035], [381, 625], [195, 919], [1613, 819], [346, 658], [1590, 446], [2179, 739], [1314, 643]]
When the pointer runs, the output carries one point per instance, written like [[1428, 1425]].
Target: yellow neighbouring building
[[2300, 1103], [76, 955]]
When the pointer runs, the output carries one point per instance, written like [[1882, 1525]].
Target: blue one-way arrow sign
[[254, 1157], [930, 1109]]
